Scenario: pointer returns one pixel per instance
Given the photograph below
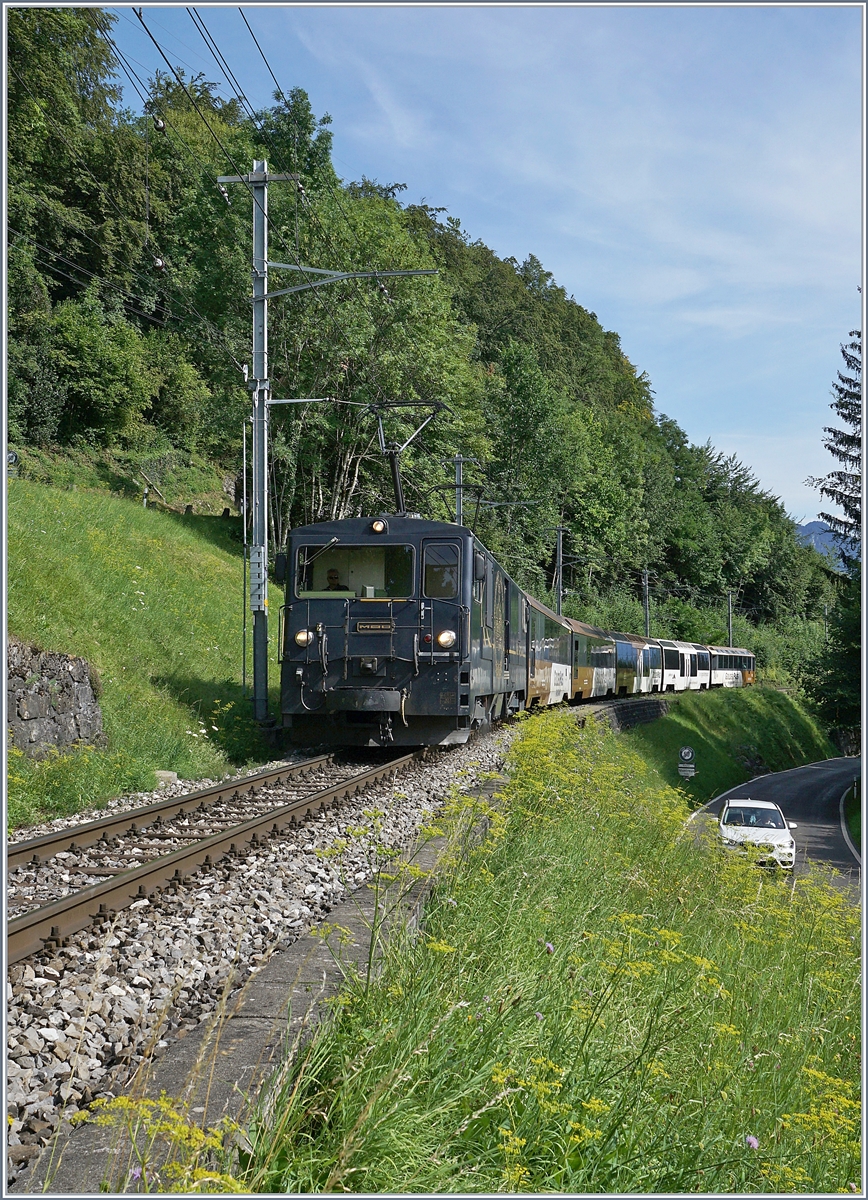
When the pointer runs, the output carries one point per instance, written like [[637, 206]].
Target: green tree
[[833, 679], [844, 487]]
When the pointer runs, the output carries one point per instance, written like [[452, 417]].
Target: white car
[[759, 823]]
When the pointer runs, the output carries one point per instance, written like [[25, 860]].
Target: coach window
[[440, 571]]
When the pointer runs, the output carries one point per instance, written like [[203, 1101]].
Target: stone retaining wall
[[50, 700], [624, 714]]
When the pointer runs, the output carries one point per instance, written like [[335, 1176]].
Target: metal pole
[[260, 389], [244, 585], [459, 486], [825, 624], [560, 568], [647, 603], [729, 617], [257, 181]]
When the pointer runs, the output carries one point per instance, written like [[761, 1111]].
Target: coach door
[[499, 626]]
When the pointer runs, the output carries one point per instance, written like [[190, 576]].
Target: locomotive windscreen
[[440, 570], [364, 572]]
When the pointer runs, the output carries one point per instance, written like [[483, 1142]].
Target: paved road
[[810, 796]]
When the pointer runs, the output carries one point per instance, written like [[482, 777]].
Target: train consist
[[402, 631]]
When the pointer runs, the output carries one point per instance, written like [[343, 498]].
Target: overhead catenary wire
[[367, 374], [232, 80], [328, 182], [124, 217], [50, 266], [179, 78], [226, 153]]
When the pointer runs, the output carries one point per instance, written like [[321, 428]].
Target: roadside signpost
[[686, 764]]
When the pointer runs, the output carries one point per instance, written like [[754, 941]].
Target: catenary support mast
[[260, 386]]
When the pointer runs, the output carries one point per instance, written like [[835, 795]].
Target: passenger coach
[[732, 667]]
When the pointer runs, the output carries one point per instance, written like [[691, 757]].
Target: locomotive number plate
[[374, 626]]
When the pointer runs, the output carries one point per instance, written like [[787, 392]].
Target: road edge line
[[847, 837]]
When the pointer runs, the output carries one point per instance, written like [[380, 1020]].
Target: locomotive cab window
[[354, 572], [440, 570]]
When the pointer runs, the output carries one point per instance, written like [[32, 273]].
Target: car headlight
[[304, 637], [446, 638]]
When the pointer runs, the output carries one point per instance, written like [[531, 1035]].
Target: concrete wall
[[50, 700]]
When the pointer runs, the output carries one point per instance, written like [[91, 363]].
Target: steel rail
[[79, 836], [51, 924]]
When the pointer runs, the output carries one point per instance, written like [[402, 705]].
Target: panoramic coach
[[732, 667]]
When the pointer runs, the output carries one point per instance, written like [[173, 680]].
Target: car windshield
[[753, 818], [364, 572]]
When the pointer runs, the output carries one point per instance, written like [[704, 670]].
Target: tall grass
[[853, 813], [736, 733], [154, 601], [596, 1003]]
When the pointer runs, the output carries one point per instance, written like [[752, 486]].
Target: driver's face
[[333, 577]]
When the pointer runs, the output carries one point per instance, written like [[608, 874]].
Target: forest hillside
[[128, 338]]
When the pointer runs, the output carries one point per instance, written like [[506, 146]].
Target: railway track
[[126, 851]]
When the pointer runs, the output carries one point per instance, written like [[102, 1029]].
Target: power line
[[282, 95], [78, 267], [81, 283], [336, 323], [158, 305], [147, 101], [231, 78], [106, 196]]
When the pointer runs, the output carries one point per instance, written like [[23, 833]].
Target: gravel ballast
[[81, 1019]]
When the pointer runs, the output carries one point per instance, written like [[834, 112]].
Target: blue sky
[[693, 175]]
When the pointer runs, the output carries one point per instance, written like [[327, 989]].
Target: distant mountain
[[819, 535]]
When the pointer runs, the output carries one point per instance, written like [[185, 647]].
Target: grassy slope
[[596, 1003], [736, 735], [154, 601], [181, 478]]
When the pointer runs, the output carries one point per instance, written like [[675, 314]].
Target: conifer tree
[[844, 487]]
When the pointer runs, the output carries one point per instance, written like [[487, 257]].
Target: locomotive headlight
[[446, 638], [304, 637], [379, 527]]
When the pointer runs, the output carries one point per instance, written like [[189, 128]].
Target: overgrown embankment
[[596, 1003], [736, 734], [153, 600]]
